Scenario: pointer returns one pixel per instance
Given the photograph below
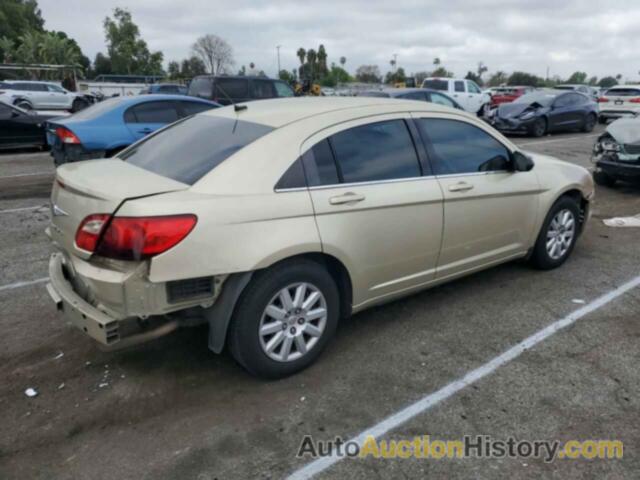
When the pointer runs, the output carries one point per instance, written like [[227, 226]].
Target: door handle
[[348, 197], [460, 187]]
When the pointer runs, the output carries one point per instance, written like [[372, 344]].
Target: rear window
[[623, 92], [188, 150], [232, 88], [436, 84], [97, 109]]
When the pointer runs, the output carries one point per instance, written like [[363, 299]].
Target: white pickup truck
[[34, 95], [466, 92]]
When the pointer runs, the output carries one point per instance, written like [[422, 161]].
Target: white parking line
[[555, 140], [23, 209], [27, 175], [11, 286], [315, 467]]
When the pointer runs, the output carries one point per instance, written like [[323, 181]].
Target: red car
[[508, 94]]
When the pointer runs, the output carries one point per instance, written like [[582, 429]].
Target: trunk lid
[[97, 186]]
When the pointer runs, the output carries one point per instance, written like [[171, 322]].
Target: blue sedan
[[104, 129]]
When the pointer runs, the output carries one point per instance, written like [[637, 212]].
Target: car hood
[[509, 110], [625, 130]]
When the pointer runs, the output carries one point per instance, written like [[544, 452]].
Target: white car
[[619, 101], [466, 92], [34, 95]]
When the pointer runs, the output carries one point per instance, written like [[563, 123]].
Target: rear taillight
[[67, 136], [635, 100], [132, 238], [89, 231], [603, 99]]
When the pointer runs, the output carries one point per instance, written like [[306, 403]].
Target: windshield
[[544, 99], [189, 149]]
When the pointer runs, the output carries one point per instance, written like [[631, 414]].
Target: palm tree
[[436, 61], [343, 60], [301, 53]]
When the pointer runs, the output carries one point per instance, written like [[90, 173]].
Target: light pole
[[278, 49]]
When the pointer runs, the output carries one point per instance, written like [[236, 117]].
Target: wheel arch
[[219, 315]]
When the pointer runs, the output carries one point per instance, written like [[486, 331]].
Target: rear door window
[[234, 88], [320, 166], [152, 112], [442, 100], [414, 96], [458, 86], [377, 151], [459, 147], [189, 149]]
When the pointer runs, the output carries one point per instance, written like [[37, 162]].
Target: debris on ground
[[31, 392], [623, 221], [60, 355], [579, 301]]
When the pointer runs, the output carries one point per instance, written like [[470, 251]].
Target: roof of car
[[282, 111], [394, 92], [634, 85]]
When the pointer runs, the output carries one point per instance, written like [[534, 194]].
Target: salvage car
[[36, 95], [546, 111], [272, 220], [619, 101], [22, 128], [420, 94], [616, 153], [104, 129]]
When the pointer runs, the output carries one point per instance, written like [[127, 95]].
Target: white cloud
[[507, 35]]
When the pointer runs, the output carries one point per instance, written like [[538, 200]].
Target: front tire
[[589, 123], [558, 235], [23, 104], [284, 319], [79, 104], [539, 127]]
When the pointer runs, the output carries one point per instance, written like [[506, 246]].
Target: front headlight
[[527, 115], [609, 145]]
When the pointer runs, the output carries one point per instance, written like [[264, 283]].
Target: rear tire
[[539, 127], [604, 179], [296, 330], [589, 123], [602, 120], [558, 235]]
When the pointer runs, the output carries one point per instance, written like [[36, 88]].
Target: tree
[[593, 81], [474, 77], [607, 82], [482, 68], [287, 76], [578, 77], [128, 52], [441, 72], [497, 79], [173, 70], [420, 76], [101, 64], [397, 76], [215, 52], [322, 61], [525, 79], [18, 17], [368, 74], [311, 61], [336, 75], [437, 61], [301, 53], [619, 77], [191, 67], [343, 60]]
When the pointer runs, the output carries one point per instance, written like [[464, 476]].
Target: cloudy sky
[[598, 37]]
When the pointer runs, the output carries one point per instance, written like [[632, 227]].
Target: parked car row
[[36, 95]]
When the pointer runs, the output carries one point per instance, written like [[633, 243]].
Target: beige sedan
[[272, 220]]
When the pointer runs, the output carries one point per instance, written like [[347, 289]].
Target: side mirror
[[521, 162]]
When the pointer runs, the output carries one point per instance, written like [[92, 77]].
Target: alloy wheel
[[293, 322], [560, 234]]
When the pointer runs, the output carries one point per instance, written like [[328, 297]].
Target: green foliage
[[101, 64], [497, 79], [128, 52], [606, 82], [18, 17], [593, 81], [474, 77], [397, 76], [441, 72], [578, 77], [524, 79], [287, 76]]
